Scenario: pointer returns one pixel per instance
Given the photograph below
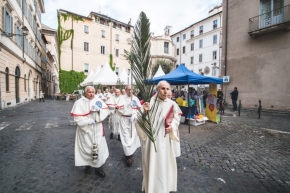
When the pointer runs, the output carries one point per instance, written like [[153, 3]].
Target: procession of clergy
[[91, 150]]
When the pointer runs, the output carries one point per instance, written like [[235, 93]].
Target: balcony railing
[[270, 21]]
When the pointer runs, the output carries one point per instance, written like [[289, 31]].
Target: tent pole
[[188, 108]]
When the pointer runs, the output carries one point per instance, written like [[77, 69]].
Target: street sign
[[226, 79]]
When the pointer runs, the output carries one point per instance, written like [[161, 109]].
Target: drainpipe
[[179, 48], [226, 38], [220, 66]]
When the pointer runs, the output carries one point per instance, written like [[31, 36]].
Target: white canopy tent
[[124, 77], [106, 76], [159, 72], [87, 78], [90, 80]]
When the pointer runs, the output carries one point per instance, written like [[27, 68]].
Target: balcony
[[271, 21]]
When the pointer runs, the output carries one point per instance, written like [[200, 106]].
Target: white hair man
[[160, 165], [127, 108], [114, 116], [91, 148]]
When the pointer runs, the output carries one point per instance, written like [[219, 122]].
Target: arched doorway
[[17, 76]]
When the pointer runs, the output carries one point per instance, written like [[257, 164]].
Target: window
[[117, 52], [97, 19], [214, 71], [177, 51], [7, 78], [86, 67], [183, 49], [192, 34], [214, 24], [25, 45], [200, 30], [103, 33], [86, 29], [200, 58], [214, 55], [215, 39], [103, 51], [191, 60], [177, 39], [25, 8], [8, 21], [18, 38], [200, 43], [192, 46], [184, 36], [166, 47], [117, 70], [271, 12], [117, 37], [86, 46]]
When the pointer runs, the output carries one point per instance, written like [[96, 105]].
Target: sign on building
[[226, 79]]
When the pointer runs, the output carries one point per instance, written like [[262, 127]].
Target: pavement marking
[[27, 126], [220, 179], [51, 124], [276, 131], [4, 124]]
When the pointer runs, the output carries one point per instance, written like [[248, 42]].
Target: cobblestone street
[[241, 154]]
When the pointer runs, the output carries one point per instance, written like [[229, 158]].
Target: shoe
[[119, 138], [100, 172], [88, 169], [129, 162], [111, 136]]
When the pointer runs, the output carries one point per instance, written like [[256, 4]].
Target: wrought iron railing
[[269, 19]]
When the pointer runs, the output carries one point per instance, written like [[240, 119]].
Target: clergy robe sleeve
[[83, 123], [102, 114], [174, 133], [111, 105]]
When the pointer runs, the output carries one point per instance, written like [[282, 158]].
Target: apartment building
[[51, 73], [199, 45], [162, 47], [256, 51], [20, 51], [95, 38]]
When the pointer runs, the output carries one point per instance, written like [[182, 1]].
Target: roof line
[[75, 14], [196, 23]]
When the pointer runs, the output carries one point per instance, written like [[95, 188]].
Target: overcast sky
[[177, 13]]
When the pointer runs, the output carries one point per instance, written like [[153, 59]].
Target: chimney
[[167, 30]]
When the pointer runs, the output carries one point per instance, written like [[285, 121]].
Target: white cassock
[[87, 134], [99, 95], [159, 168], [126, 111], [114, 118], [176, 145]]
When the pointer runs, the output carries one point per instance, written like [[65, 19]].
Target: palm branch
[[140, 60]]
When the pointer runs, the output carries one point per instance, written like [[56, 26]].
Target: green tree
[[166, 66], [111, 63], [70, 80]]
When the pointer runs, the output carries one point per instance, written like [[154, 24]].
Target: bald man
[[160, 165], [91, 148]]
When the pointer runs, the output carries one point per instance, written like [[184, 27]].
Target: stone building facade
[[256, 51]]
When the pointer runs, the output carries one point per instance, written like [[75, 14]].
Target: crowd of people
[[121, 108]]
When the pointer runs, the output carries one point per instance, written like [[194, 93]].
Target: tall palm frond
[[140, 60]]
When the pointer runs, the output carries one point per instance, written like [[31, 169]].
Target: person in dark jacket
[[234, 97]]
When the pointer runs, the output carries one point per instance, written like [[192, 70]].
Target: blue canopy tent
[[182, 76]]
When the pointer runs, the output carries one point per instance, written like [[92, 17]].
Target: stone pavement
[[241, 154]]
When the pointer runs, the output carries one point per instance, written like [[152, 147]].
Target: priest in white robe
[[114, 119], [99, 94], [91, 148], [159, 168], [127, 108]]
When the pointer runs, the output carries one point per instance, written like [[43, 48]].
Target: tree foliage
[[111, 63], [70, 80], [166, 66]]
